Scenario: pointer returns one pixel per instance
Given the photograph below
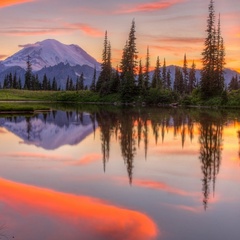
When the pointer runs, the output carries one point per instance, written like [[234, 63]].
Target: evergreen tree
[[146, 73], [178, 81], [156, 80], [115, 84], [54, 84], [15, 82], [71, 87], [234, 84], [81, 82], [220, 60], [45, 82], [93, 84], [10, 80], [104, 79], [19, 83], [67, 84], [28, 74], [185, 74], [6, 84], [169, 79], [164, 74], [140, 77], [129, 66], [192, 78], [213, 55]]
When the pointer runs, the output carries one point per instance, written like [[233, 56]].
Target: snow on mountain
[[51, 52]]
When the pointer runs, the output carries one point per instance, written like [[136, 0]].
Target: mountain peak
[[50, 52]]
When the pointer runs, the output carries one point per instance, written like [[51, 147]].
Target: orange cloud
[[87, 29], [67, 28], [6, 3], [149, 7], [35, 31], [70, 215], [3, 56]]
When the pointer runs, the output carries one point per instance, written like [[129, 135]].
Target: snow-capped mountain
[[50, 132], [49, 53]]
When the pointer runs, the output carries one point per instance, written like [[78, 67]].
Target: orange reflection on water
[[164, 187], [89, 216]]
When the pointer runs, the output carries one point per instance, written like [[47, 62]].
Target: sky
[[170, 28]]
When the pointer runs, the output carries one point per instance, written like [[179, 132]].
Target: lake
[[102, 172]]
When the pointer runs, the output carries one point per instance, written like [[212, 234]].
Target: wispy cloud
[[148, 7], [66, 28], [7, 3], [85, 28], [33, 31]]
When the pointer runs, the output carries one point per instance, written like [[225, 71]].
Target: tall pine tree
[[156, 80], [129, 66], [213, 55]]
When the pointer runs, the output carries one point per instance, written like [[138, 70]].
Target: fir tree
[[129, 66], [220, 60], [178, 81], [146, 73], [115, 83], [185, 74], [213, 55], [28, 74], [71, 87], [93, 84], [81, 82], [67, 84], [15, 82], [192, 78], [164, 74], [45, 82], [140, 77], [106, 68], [234, 84], [169, 79], [156, 80], [54, 84]]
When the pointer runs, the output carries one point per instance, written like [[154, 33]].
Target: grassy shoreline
[[17, 100]]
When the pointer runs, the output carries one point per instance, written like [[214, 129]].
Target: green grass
[[22, 107], [153, 97]]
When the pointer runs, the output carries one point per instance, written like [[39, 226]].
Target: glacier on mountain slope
[[51, 52]]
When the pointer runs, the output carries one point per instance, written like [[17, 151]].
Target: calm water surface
[[133, 174]]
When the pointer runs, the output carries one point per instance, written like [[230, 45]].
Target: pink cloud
[[86, 29], [149, 7]]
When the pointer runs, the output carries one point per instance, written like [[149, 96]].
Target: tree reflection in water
[[132, 127], [210, 139]]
